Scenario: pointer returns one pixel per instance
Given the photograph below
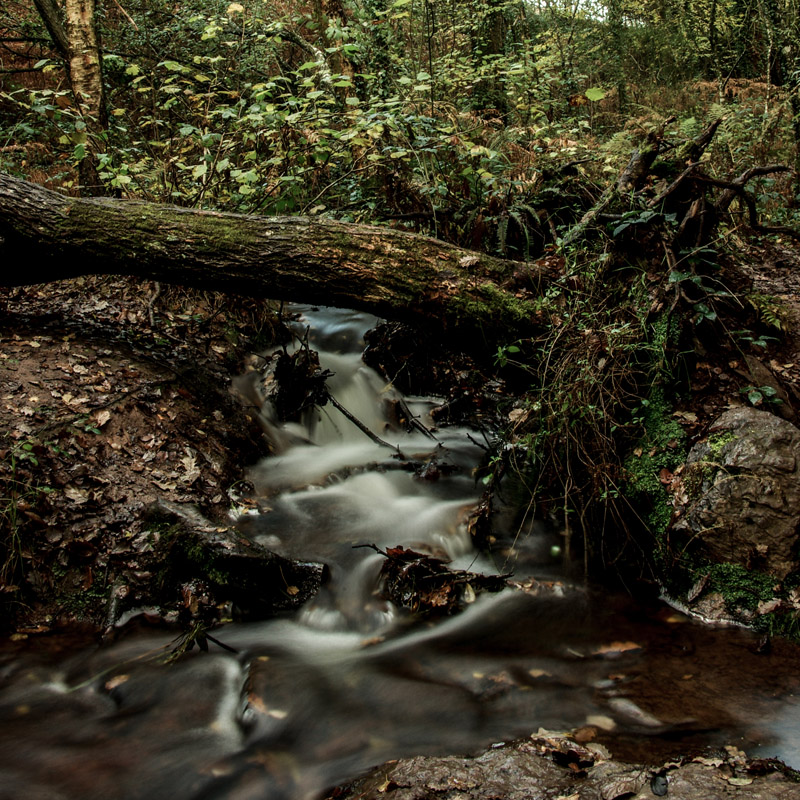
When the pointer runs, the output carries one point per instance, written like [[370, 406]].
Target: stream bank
[[577, 669]]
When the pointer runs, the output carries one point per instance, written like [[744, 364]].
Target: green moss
[[740, 587], [717, 441], [786, 624], [492, 304], [207, 563], [661, 447]]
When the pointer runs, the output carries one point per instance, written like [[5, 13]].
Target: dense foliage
[[451, 117], [493, 124]]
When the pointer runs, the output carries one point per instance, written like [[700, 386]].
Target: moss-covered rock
[[738, 501]]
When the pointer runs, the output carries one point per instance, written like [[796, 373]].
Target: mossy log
[[46, 236]]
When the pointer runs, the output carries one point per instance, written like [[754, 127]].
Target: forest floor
[[104, 416]]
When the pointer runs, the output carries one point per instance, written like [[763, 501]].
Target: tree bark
[[53, 20], [85, 69], [47, 236]]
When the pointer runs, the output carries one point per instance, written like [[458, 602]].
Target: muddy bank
[[118, 425]]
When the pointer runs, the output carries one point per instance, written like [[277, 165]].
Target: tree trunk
[[86, 77], [85, 63], [53, 21], [47, 236]]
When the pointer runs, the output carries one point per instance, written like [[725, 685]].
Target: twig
[[220, 644], [362, 427], [414, 422], [736, 186], [587, 219], [372, 547], [136, 28], [151, 302], [674, 185]]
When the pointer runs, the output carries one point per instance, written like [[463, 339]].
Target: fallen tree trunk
[[47, 236]]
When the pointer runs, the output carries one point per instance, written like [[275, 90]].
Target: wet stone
[[738, 498]]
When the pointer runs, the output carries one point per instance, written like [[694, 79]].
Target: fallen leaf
[[539, 673], [601, 721], [117, 680], [638, 716], [616, 647], [75, 494], [515, 414], [255, 702], [101, 417]]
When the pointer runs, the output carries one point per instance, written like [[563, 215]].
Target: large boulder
[[738, 497]]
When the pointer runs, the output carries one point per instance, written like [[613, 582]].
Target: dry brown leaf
[[101, 417], [117, 680], [75, 494], [616, 647]]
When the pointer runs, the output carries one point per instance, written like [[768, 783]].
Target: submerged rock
[[738, 497]]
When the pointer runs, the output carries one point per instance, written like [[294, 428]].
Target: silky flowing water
[[311, 700]]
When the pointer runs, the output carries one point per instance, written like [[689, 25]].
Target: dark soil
[[105, 417]]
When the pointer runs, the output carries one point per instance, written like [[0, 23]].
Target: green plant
[[755, 339], [19, 494], [741, 587], [770, 309], [761, 394]]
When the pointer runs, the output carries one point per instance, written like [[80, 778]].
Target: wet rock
[[527, 771], [738, 497], [209, 569], [512, 773], [427, 586]]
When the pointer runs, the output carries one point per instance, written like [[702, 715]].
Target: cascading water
[[336, 487], [347, 683]]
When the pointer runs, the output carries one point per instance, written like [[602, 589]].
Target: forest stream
[[292, 706]]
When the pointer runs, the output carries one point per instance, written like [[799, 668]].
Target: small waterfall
[[313, 700], [334, 487]]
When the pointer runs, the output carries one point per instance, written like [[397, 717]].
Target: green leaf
[[595, 94], [351, 101], [173, 66], [200, 170]]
